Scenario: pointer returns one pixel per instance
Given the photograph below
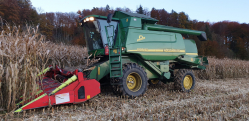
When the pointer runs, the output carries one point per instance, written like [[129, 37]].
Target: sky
[[201, 10]]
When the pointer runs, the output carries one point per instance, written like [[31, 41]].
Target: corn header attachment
[[59, 86]]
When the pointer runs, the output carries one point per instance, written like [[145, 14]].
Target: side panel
[[131, 22], [90, 89], [103, 69], [155, 45], [134, 59], [191, 48], [100, 71], [191, 57]]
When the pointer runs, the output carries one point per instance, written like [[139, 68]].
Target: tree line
[[225, 38]]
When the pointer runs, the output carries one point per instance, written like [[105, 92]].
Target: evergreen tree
[[107, 8], [174, 19], [208, 32], [140, 10]]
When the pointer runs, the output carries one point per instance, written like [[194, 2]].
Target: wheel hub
[[131, 82], [188, 82], [134, 82]]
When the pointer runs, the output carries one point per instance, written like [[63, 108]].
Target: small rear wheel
[[154, 82], [184, 80]]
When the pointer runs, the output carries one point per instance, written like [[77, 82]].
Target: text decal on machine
[[62, 98], [141, 37]]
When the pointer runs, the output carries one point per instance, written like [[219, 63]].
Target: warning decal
[[62, 98]]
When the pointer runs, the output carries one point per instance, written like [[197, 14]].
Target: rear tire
[[184, 80], [134, 81]]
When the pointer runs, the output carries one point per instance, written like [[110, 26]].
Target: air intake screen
[[81, 93]]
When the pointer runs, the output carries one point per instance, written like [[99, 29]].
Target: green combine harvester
[[134, 51]]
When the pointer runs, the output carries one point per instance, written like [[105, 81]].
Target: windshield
[[111, 28], [96, 35], [93, 38]]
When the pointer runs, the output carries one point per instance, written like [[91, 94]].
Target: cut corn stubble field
[[210, 100]]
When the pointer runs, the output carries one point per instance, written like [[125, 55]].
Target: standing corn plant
[[23, 55]]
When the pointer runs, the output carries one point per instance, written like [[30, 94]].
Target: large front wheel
[[134, 80]]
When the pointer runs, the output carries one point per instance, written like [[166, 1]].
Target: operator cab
[[99, 33]]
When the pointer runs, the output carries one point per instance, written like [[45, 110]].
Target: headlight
[[89, 19]]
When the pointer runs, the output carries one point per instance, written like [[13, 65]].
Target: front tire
[[184, 80], [134, 81]]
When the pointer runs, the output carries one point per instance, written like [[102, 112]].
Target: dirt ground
[[210, 100]]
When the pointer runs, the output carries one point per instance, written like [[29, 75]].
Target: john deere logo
[[141, 37]]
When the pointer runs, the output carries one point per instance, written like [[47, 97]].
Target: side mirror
[[109, 18], [81, 23]]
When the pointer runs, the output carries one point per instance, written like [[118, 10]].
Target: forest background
[[226, 39]]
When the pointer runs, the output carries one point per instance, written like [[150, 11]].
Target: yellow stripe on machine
[[191, 53], [20, 109], [156, 50], [44, 71], [69, 81]]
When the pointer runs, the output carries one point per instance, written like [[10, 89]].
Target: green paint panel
[[171, 29], [151, 73], [131, 22], [164, 68], [100, 71], [166, 75], [190, 59], [122, 14], [190, 46], [155, 46]]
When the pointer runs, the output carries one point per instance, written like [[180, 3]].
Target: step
[[116, 84], [114, 55], [116, 76], [114, 69], [115, 62], [113, 48]]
